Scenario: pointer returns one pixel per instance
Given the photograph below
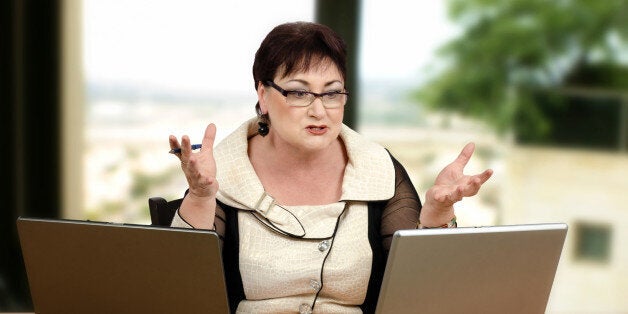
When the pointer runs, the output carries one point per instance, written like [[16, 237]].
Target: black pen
[[178, 150]]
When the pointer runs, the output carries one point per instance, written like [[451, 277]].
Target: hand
[[451, 186], [199, 168]]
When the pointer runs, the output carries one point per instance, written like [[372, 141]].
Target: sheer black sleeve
[[220, 219], [402, 210]]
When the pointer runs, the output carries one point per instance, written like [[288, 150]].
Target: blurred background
[[90, 91]]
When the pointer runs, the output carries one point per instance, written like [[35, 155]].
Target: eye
[[298, 93], [332, 95]]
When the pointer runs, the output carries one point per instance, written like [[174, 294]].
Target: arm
[[402, 210], [198, 208]]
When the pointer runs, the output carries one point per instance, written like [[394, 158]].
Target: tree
[[513, 53]]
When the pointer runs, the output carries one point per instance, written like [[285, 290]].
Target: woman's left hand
[[451, 186]]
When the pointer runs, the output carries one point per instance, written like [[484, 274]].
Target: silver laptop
[[90, 267], [501, 269]]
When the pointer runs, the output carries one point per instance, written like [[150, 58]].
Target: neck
[[297, 177], [289, 160], [297, 159]]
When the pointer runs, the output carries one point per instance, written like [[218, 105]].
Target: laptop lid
[[500, 269], [92, 267]]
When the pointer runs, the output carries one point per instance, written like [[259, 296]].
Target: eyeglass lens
[[301, 99]]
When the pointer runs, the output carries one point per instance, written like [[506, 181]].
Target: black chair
[[162, 211]]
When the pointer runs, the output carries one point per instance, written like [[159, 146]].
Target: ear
[[261, 97]]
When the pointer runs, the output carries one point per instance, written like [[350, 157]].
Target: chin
[[320, 142]]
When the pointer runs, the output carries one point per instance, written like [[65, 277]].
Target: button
[[315, 284], [305, 309], [323, 245]]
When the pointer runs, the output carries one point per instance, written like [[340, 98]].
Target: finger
[[443, 198], [186, 148], [457, 194], [174, 142], [465, 154], [484, 176], [476, 182], [448, 195], [471, 188], [208, 138]]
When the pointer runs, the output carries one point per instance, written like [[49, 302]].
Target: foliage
[[512, 51]]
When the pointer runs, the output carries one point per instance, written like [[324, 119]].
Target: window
[[593, 242], [155, 68]]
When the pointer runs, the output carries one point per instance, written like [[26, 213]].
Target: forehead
[[315, 66]]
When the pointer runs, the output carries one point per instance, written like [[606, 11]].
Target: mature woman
[[305, 206]]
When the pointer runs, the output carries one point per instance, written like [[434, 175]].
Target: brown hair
[[294, 46]]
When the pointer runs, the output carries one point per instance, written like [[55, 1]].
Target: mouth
[[316, 129]]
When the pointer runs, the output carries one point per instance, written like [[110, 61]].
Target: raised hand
[[199, 205], [450, 186]]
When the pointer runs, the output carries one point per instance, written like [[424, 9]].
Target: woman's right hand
[[199, 205]]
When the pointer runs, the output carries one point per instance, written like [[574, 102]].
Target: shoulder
[[370, 172], [236, 143], [234, 172]]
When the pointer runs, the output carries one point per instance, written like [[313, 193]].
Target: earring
[[263, 121], [263, 128]]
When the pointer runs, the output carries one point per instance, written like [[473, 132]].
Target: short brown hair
[[294, 46]]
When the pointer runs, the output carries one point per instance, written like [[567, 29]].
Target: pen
[[178, 150]]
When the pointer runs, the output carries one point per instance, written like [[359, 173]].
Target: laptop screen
[[501, 269], [91, 267]]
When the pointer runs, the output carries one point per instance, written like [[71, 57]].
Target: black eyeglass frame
[[316, 95]]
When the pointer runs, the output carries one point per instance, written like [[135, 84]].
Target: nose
[[316, 108]]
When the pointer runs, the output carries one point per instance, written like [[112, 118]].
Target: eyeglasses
[[301, 98]]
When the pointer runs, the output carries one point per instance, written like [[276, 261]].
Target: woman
[[305, 205]]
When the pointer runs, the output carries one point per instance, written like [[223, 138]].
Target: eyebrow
[[308, 84]]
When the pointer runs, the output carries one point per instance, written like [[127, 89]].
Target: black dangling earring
[[263, 128], [263, 121]]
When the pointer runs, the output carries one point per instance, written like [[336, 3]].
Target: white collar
[[369, 175]]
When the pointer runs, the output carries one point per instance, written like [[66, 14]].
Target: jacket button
[[315, 284], [323, 245], [305, 309]]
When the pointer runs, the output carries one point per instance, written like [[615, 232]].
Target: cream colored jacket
[[293, 258]]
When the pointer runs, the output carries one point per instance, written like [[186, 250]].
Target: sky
[[208, 46]]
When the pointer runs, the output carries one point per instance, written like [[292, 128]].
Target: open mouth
[[316, 129]]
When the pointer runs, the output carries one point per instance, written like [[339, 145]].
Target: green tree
[[512, 53]]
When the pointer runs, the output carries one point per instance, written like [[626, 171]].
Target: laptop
[[94, 267], [500, 269]]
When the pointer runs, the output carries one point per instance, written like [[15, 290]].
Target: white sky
[[201, 45]]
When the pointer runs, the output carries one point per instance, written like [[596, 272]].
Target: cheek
[[283, 112], [337, 116], [283, 117]]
